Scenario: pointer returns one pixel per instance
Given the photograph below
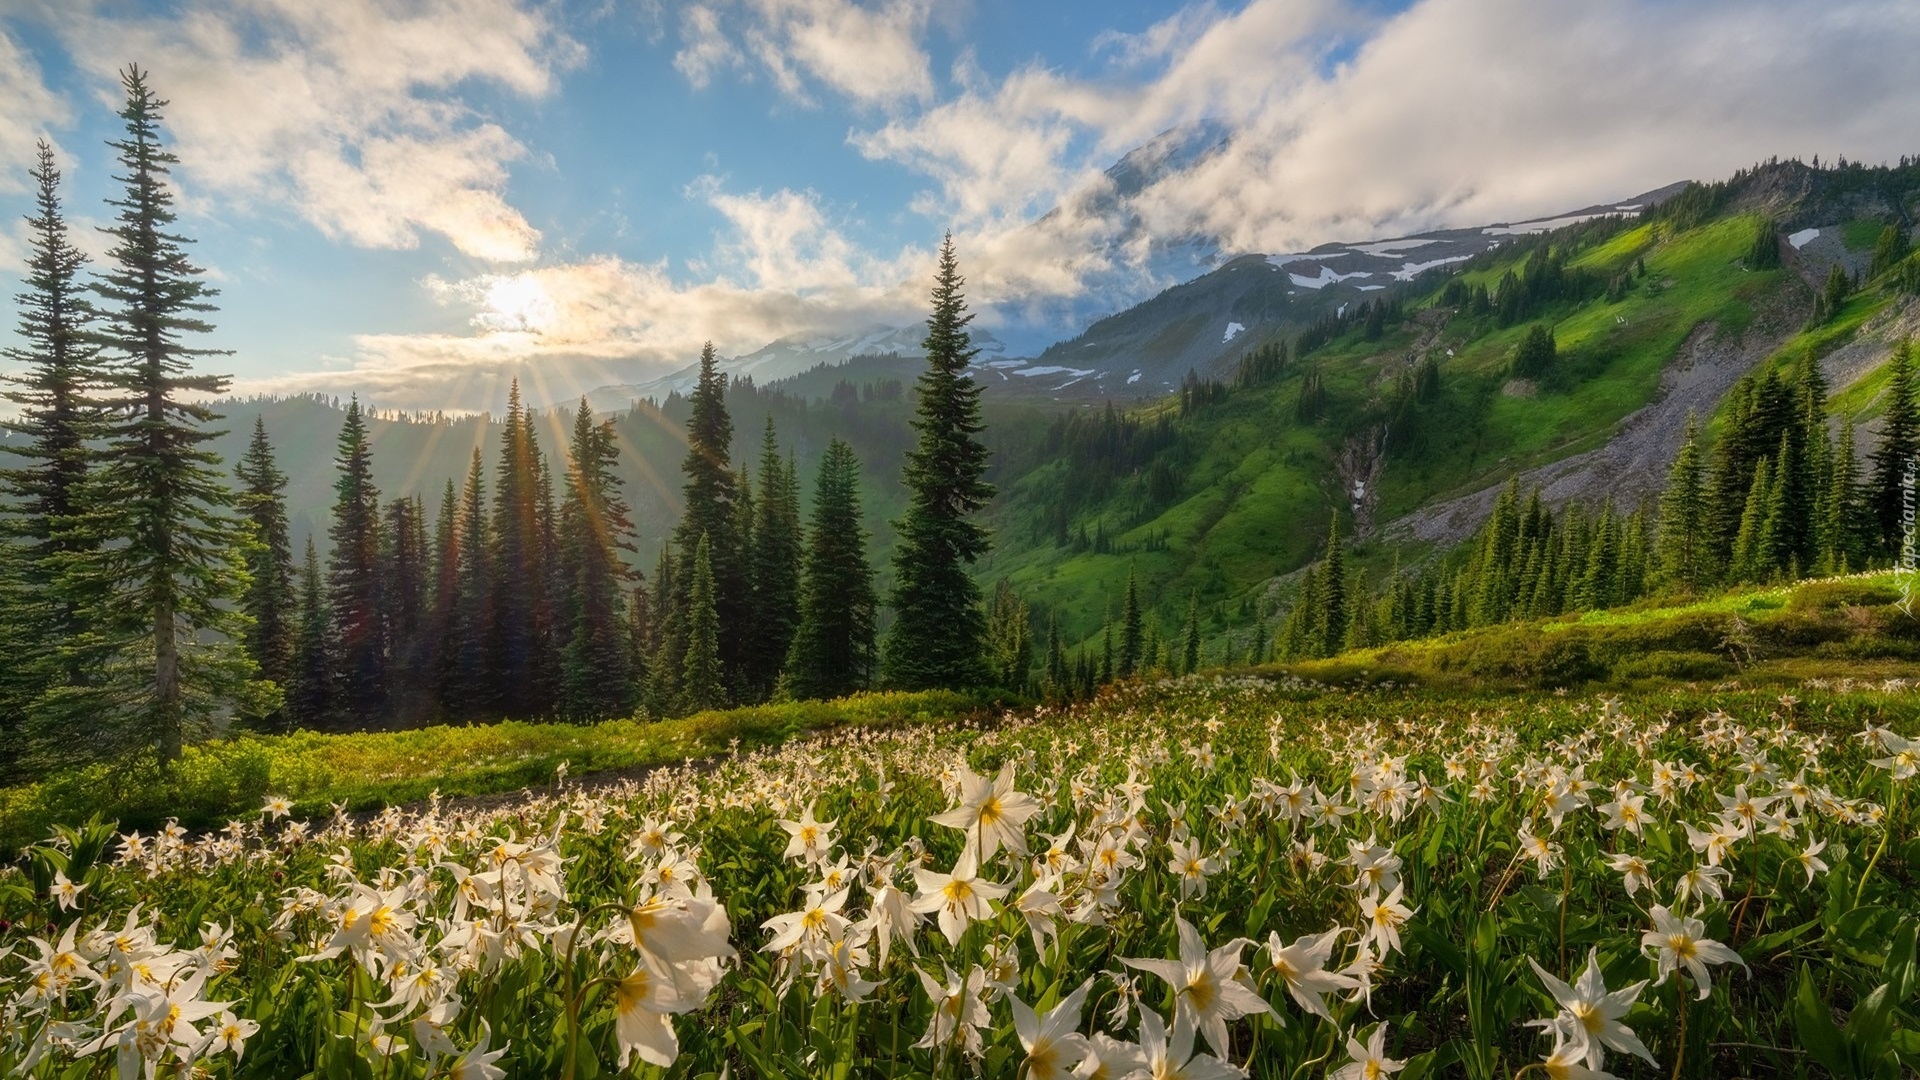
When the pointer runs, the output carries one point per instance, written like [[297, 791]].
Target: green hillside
[[1239, 487]]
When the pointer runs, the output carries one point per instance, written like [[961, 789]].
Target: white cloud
[[349, 111], [27, 110], [869, 53]]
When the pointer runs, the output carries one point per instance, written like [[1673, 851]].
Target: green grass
[[1832, 628], [226, 778]]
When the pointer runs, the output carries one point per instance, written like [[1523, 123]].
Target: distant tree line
[[149, 599]]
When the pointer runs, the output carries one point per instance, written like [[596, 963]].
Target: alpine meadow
[[870, 539]]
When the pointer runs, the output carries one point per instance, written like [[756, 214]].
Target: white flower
[[1192, 867], [1811, 860], [1905, 755], [1633, 871], [1591, 1015], [1302, 966], [808, 839], [958, 1010], [1678, 943], [276, 807], [991, 812], [478, 1063], [1370, 1062], [956, 899], [1207, 984], [1054, 1048], [65, 891], [231, 1033], [1384, 918], [1172, 1058]]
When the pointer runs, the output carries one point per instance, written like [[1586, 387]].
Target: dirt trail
[[1632, 465]]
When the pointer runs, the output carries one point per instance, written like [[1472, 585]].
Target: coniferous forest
[[154, 594]]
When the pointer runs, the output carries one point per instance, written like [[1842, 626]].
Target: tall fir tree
[[597, 679], [1683, 552], [1332, 623], [1010, 639], [833, 654], [701, 675], [1132, 628], [517, 573], [1894, 461], [157, 572], [710, 490], [309, 697], [776, 545], [446, 592], [467, 690], [1842, 531], [669, 638], [938, 633], [353, 578], [270, 599], [51, 434], [407, 599]]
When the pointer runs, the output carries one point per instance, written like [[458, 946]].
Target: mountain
[[785, 359]]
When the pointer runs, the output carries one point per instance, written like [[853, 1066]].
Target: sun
[[517, 304]]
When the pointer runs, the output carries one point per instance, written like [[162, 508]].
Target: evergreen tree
[[1059, 683], [1683, 551], [309, 700], [701, 685], [156, 575], [1888, 251], [1748, 563], [937, 636], [1894, 460], [1764, 253], [596, 526], [669, 639], [467, 693], [435, 662], [776, 544], [1841, 532], [1535, 354], [1010, 639], [353, 578], [518, 574], [406, 600], [1331, 623], [51, 434], [832, 648], [711, 491], [269, 599], [1131, 642]]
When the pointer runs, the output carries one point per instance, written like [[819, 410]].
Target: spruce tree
[[353, 578], [669, 639], [597, 665], [51, 433], [309, 699], [774, 570], [1058, 682], [1683, 548], [833, 653], [467, 691], [1841, 532], [1010, 639], [517, 572], [157, 573], [1130, 627], [1331, 622], [937, 638], [269, 599], [711, 491], [701, 685], [406, 599], [1748, 562], [438, 636], [1894, 460]]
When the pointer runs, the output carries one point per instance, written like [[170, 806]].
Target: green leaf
[[1814, 1024]]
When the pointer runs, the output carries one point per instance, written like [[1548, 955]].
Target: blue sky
[[418, 200]]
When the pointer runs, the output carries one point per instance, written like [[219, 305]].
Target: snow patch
[[1395, 247], [1233, 330], [1369, 288], [1802, 238], [1282, 260], [1135, 377], [1054, 369], [1543, 225], [1409, 271], [1327, 277]]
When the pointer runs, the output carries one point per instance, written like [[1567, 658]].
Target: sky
[[417, 200]]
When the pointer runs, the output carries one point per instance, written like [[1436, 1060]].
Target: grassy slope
[[225, 778], [1830, 629], [1257, 492]]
